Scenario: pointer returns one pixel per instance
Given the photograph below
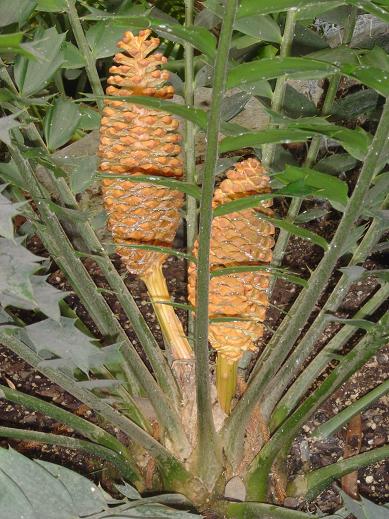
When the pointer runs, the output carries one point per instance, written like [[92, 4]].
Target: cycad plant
[[166, 421]]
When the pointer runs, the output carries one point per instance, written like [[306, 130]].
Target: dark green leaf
[[60, 122], [297, 188], [16, 11], [52, 6], [196, 115], [99, 383], [206, 18], [336, 164], [352, 239], [240, 42], [336, 16], [241, 203], [306, 40], [99, 221], [356, 142], [262, 27], [181, 306], [204, 76], [258, 26], [328, 187], [81, 171], [353, 273], [6, 95], [71, 215], [32, 76], [311, 10], [73, 59], [297, 104], [233, 105], [38, 489], [380, 274], [89, 118], [305, 8], [371, 76], [7, 123], [259, 88], [157, 248], [128, 491], [30, 491], [10, 173], [87, 498], [103, 38], [184, 187], [199, 37], [373, 8], [45, 298], [311, 214], [299, 231], [377, 193], [252, 510], [353, 105], [336, 56], [381, 247], [274, 271], [256, 139], [12, 43], [298, 68], [358, 323], [7, 211], [17, 265], [66, 341], [376, 57]]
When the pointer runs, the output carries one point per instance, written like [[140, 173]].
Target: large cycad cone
[[136, 141], [237, 239]]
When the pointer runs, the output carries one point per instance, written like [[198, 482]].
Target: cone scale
[[135, 141], [237, 239]]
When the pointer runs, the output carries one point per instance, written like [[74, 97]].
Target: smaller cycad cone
[[136, 141], [237, 239]]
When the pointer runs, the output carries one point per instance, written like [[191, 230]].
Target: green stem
[[91, 431], [336, 422], [311, 484], [189, 145], [82, 43], [280, 442], [170, 467], [62, 252], [122, 511], [301, 385], [121, 464], [268, 151], [208, 451], [261, 510], [333, 84], [284, 339]]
